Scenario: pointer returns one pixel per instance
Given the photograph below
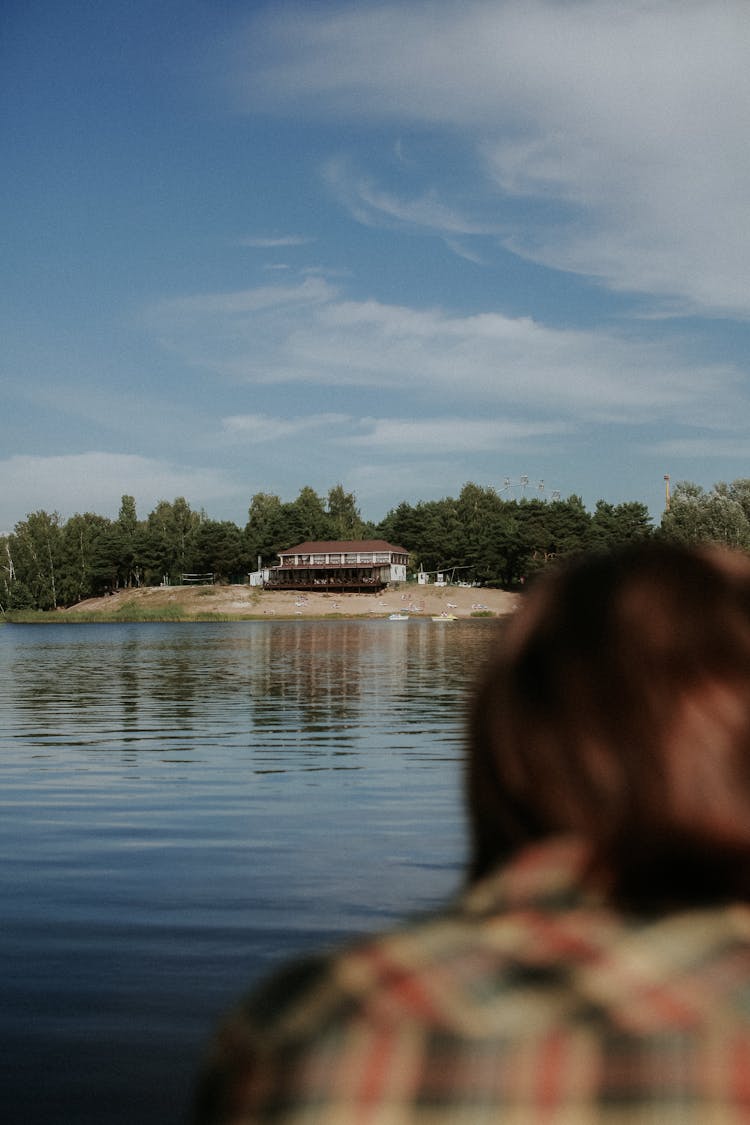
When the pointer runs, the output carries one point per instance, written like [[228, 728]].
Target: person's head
[[618, 710]]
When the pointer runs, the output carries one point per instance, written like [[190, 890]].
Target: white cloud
[[372, 205], [95, 482], [631, 119], [263, 427], [309, 335], [451, 435], [244, 301], [260, 243], [237, 332], [415, 437], [463, 251]]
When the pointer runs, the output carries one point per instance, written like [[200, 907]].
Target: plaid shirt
[[529, 1002]]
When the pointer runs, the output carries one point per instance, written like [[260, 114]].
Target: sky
[[248, 247]]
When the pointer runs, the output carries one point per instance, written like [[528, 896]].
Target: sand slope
[[247, 601]]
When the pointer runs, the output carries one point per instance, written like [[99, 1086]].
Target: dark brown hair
[[618, 710]]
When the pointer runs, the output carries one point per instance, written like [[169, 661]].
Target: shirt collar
[[552, 873]]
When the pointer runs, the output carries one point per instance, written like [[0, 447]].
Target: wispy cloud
[[258, 242], [265, 428], [309, 334], [451, 435], [630, 119], [461, 250], [373, 205], [414, 437], [95, 481], [311, 290]]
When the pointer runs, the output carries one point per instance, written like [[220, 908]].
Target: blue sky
[[254, 246]]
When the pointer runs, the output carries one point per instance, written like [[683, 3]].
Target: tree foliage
[[719, 516], [343, 518], [493, 540], [36, 552], [265, 531], [478, 536], [218, 548]]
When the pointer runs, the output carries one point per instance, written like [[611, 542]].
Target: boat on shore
[[398, 616], [444, 617]]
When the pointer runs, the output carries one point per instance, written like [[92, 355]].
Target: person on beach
[[596, 968]]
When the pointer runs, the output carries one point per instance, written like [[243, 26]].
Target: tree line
[[479, 536]]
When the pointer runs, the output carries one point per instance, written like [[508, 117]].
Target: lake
[[183, 807]]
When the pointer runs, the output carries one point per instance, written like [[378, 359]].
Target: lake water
[[184, 806]]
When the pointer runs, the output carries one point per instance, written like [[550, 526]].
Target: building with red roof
[[348, 565]]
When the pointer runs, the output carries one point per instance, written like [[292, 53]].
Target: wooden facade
[[350, 565]]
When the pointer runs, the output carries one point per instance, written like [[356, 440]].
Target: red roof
[[339, 546]]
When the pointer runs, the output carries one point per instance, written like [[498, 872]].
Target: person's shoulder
[[312, 992], [253, 1040], [318, 1008], [278, 994]]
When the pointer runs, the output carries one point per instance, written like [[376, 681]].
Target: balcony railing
[[380, 559], [306, 580]]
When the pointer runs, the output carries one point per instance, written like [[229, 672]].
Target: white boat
[[444, 617], [398, 616]]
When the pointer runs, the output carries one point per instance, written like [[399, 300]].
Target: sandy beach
[[250, 602]]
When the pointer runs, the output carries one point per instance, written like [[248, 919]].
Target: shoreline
[[251, 603]]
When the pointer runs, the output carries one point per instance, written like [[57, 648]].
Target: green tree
[[738, 490], [401, 526], [164, 545], [478, 533], [266, 531], [615, 524], [487, 529], [344, 520], [35, 549], [89, 558], [548, 531], [218, 548], [7, 572], [306, 518], [126, 532], [536, 546], [569, 525], [431, 531], [697, 516]]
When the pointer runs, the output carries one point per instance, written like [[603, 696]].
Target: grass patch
[[30, 616], [134, 611], [129, 611], [482, 613]]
